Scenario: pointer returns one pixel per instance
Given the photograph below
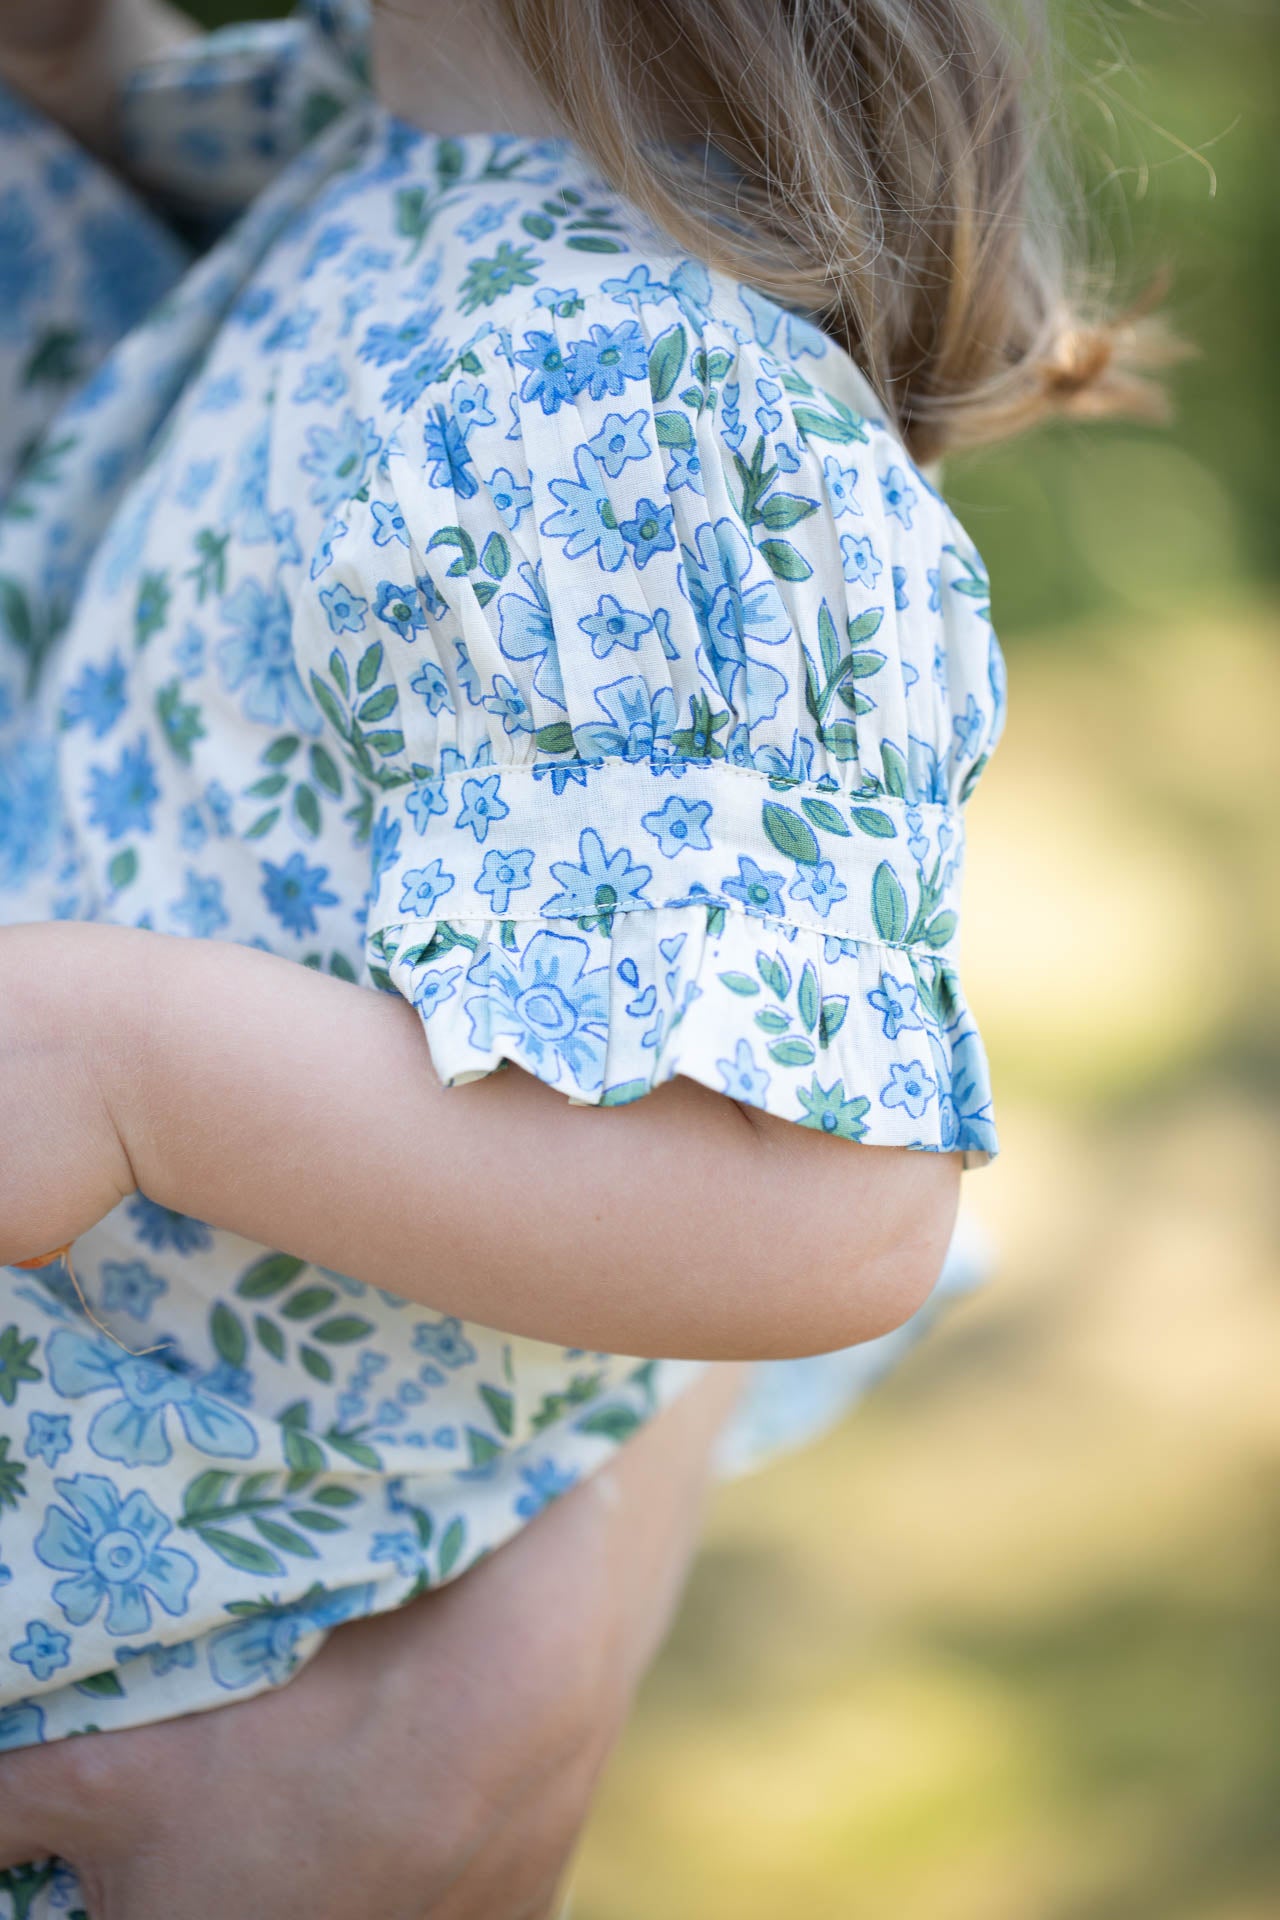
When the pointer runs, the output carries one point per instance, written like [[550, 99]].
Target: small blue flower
[[97, 698], [48, 1436], [899, 495], [548, 382], [435, 988], [344, 609], [841, 484], [294, 891], [337, 459], [444, 1340], [599, 884], [678, 824], [481, 806], [470, 402], [620, 439], [164, 1230], [401, 608], [649, 531], [909, 1087], [820, 885], [401, 1547], [423, 886], [427, 798], [508, 496], [897, 1003], [323, 380], [509, 704], [758, 891], [129, 1286], [121, 801], [44, 1650], [613, 625], [861, 561], [685, 470], [201, 910], [388, 524], [504, 874], [545, 1482], [604, 363], [430, 682], [743, 1080]]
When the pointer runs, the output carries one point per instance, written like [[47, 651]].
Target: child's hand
[[62, 1162]]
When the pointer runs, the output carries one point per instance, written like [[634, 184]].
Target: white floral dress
[[411, 565]]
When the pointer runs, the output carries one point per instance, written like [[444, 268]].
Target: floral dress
[[411, 564]]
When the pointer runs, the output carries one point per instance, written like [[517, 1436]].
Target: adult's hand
[[435, 1763]]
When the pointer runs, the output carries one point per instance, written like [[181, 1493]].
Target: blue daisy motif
[[735, 615], [402, 1548], [509, 496], [758, 891], [829, 1110], [551, 1004], [620, 439], [445, 442], [29, 809], [444, 1341], [426, 799], [97, 698], [544, 1482], [899, 495], [322, 380], [897, 1003], [842, 487], [481, 806], [401, 608], [861, 561], [382, 345], [22, 1724], [548, 381], [600, 884], [129, 1286], [121, 800], [134, 1428], [743, 1079], [165, 1230], [344, 610], [434, 989], [470, 402], [43, 1650], [504, 874], [613, 625], [388, 523], [679, 824], [111, 1550], [909, 1087], [430, 682], [586, 521], [685, 470], [48, 1436], [337, 459], [509, 705], [526, 632], [422, 887], [256, 660], [294, 891], [820, 885], [201, 909], [604, 363], [649, 531]]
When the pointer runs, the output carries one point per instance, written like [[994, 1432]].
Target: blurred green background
[[1007, 1645]]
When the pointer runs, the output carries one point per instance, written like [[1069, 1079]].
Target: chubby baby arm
[[305, 1113]]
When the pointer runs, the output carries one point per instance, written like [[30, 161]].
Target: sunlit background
[[1007, 1645]]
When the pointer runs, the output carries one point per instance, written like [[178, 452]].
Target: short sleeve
[[668, 676]]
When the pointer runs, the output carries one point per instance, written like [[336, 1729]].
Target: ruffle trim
[[856, 1038]]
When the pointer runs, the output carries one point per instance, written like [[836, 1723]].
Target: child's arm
[[305, 1114], [70, 57]]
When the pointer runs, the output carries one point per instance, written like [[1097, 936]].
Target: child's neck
[[447, 68]]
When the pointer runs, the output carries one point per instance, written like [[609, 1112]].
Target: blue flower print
[[133, 1429], [586, 521], [641, 722], [743, 1079], [164, 1230], [43, 1651], [402, 1548], [820, 886], [899, 496], [554, 1007], [446, 449], [201, 910], [382, 345], [434, 989], [127, 268], [424, 800], [470, 402], [508, 496], [842, 486], [28, 809], [861, 561], [509, 704], [292, 331], [620, 439], [679, 824], [161, 1659], [735, 615], [258, 658], [758, 891], [111, 1549], [526, 632], [48, 1436], [897, 1004], [599, 884], [121, 801], [401, 609], [337, 459], [324, 381], [294, 891], [430, 682], [129, 1286], [909, 1087], [967, 728], [229, 1383], [388, 524], [26, 267], [900, 599], [344, 609], [649, 531], [827, 1110], [481, 806], [604, 363], [504, 874], [97, 698], [444, 1341], [548, 380], [613, 625], [423, 886], [22, 1724], [544, 1482]]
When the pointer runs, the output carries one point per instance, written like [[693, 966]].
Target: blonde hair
[[891, 181]]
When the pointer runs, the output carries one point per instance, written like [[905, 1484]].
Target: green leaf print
[[792, 1053], [791, 835], [895, 770], [871, 820], [784, 510], [269, 1276], [451, 1544], [807, 997], [774, 974], [740, 983], [784, 560], [614, 1422], [226, 1331], [666, 358], [888, 904], [502, 1407], [122, 869], [824, 815]]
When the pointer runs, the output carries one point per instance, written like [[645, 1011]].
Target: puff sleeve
[[668, 675]]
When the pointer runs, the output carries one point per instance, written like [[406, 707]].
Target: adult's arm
[[70, 58], [304, 1113]]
